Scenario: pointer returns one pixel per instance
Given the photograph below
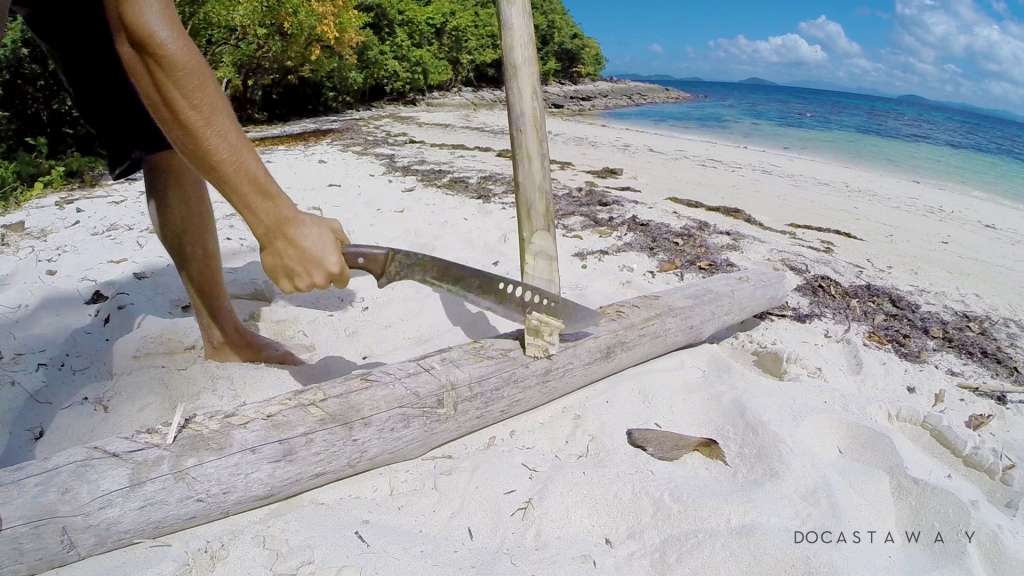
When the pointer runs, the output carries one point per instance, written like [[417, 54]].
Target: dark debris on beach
[[896, 321], [696, 246]]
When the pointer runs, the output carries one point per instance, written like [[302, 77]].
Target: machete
[[507, 298]]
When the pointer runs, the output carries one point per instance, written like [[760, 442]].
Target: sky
[[961, 50]]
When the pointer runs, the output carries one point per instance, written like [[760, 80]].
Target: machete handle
[[372, 259]]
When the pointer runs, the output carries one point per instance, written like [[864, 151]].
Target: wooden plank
[[531, 165], [107, 495], [531, 168]]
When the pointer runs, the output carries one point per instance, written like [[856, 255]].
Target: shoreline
[[838, 158], [589, 96]]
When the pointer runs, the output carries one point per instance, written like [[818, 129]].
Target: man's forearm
[[181, 92]]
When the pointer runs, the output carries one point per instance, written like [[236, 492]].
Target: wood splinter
[[541, 340], [175, 423]]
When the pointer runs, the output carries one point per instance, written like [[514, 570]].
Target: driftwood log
[[107, 495]]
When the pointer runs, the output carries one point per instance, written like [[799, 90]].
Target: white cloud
[[786, 49], [831, 34], [1001, 7], [656, 48], [960, 32], [969, 50]]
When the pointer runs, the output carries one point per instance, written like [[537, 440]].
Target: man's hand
[[304, 253]]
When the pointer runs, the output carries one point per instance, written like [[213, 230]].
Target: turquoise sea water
[[916, 139]]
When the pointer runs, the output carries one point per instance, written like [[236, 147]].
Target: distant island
[[819, 85], [914, 98], [655, 78], [960, 106], [669, 78]]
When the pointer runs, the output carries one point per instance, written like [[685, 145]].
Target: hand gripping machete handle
[[371, 259]]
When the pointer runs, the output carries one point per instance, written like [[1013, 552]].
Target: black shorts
[[76, 35]]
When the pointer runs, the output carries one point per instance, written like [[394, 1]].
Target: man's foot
[[248, 346]]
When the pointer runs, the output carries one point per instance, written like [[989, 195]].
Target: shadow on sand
[[66, 363]]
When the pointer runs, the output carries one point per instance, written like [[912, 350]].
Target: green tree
[[411, 46], [565, 52], [42, 138], [277, 58]]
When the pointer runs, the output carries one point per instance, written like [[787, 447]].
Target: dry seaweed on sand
[[592, 205], [694, 246], [729, 211], [455, 146], [605, 172], [897, 322], [378, 143], [825, 230], [295, 139]]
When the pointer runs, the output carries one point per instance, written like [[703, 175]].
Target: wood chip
[[669, 266], [978, 421], [541, 335], [876, 338], [175, 422], [670, 446], [14, 227]]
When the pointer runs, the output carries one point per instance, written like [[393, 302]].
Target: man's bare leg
[[179, 205]]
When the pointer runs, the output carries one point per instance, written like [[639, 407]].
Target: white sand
[[819, 427]]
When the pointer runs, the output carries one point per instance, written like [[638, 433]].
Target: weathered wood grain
[[107, 495], [531, 164]]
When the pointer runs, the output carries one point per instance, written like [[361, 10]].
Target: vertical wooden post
[[531, 166]]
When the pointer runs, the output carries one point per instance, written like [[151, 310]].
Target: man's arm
[[300, 251]]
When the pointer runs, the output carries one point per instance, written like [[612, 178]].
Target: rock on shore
[[583, 97]]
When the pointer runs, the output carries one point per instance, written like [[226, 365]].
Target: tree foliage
[[278, 59], [564, 51], [413, 46], [42, 139]]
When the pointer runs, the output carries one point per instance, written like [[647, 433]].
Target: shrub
[[43, 142], [282, 59], [277, 59]]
